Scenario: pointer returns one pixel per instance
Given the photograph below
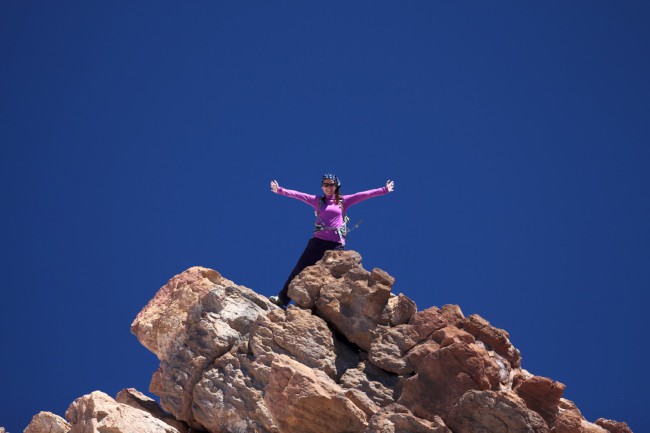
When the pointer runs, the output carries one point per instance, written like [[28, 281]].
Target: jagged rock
[[494, 412], [399, 310], [303, 400], [377, 384], [46, 422], [351, 299], [306, 287], [284, 332], [230, 397], [98, 412], [541, 394], [396, 418], [571, 422], [389, 348], [450, 335], [496, 338], [390, 345], [444, 374], [349, 357], [134, 398], [613, 426], [195, 318]]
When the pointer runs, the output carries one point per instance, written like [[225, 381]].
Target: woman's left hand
[[390, 185]]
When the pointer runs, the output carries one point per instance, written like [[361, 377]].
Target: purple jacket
[[331, 214]]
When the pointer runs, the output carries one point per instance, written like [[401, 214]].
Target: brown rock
[[389, 348], [396, 418], [399, 310], [300, 335], [134, 398], [195, 318], [495, 338], [443, 375], [541, 394], [305, 288], [162, 320], [230, 397], [613, 426], [303, 400], [450, 335], [572, 422], [46, 422], [378, 385], [97, 412], [390, 345], [494, 412], [354, 306]]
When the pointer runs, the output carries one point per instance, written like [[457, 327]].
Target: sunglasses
[[326, 185]]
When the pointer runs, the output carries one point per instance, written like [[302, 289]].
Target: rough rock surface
[[98, 412], [613, 426], [197, 317], [350, 356], [46, 422], [493, 411], [396, 418]]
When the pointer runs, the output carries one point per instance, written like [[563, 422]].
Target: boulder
[[613, 426], [444, 375], [98, 412], [396, 418], [195, 318], [494, 412], [303, 400], [46, 422]]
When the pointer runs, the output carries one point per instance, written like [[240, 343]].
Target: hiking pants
[[314, 251]]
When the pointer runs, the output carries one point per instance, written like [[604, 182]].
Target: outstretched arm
[[351, 200], [311, 200]]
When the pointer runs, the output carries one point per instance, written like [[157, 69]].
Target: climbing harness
[[343, 230]]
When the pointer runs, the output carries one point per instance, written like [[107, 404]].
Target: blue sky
[[139, 139]]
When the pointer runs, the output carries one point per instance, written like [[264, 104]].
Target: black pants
[[314, 251]]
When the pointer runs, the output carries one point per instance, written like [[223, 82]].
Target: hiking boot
[[276, 300]]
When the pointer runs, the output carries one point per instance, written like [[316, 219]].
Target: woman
[[330, 229]]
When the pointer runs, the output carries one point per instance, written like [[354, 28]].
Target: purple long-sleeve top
[[331, 214]]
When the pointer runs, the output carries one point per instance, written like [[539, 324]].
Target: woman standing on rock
[[330, 228]]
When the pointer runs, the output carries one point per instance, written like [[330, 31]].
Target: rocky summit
[[350, 356]]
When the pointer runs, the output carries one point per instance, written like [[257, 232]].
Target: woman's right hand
[[274, 186]]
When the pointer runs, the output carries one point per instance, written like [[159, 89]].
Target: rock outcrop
[[350, 356]]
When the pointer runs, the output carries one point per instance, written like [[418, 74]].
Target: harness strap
[[341, 231]]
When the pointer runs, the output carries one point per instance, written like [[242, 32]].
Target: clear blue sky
[[139, 138]]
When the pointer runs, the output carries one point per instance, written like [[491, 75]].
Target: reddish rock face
[[350, 356], [444, 374], [541, 394], [491, 411], [613, 426], [498, 339]]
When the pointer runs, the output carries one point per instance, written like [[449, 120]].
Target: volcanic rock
[[492, 411], [46, 422], [350, 356], [98, 412], [396, 418], [613, 426]]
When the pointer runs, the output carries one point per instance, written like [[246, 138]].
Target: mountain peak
[[350, 356]]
